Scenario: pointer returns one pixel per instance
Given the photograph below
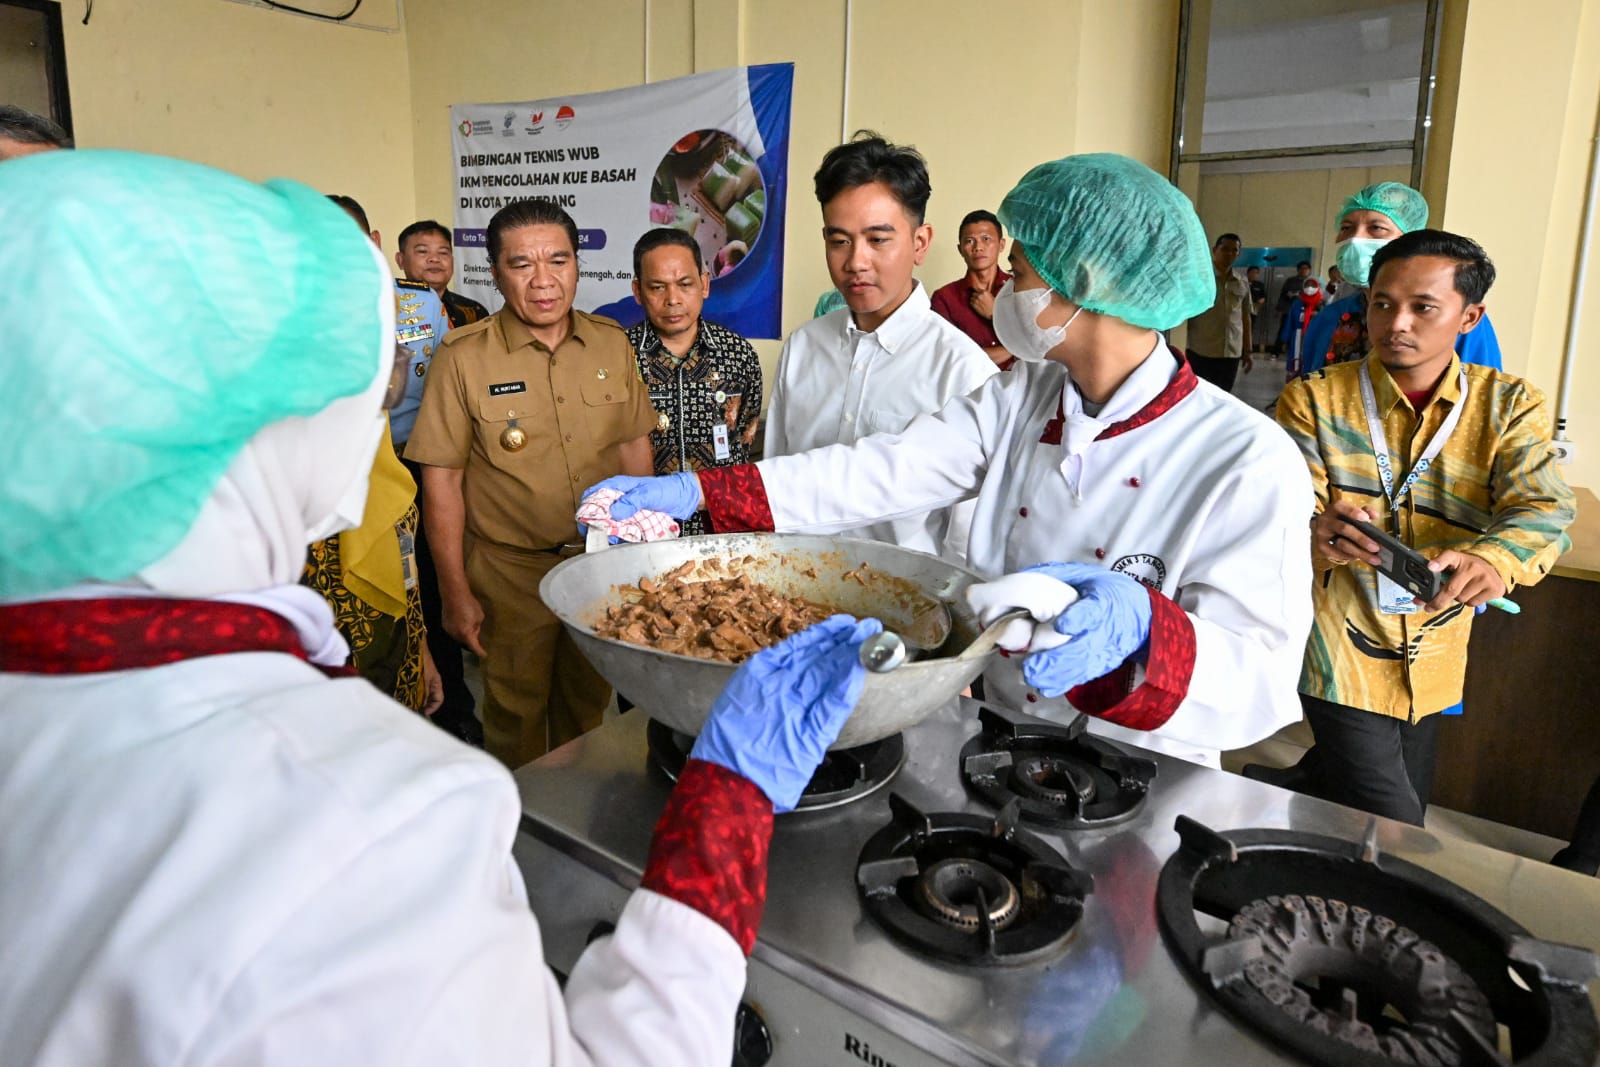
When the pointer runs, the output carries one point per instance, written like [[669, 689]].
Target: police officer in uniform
[[524, 411]]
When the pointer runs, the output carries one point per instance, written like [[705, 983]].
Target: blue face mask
[[1355, 258]]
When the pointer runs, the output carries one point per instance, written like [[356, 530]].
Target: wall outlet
[[1566, 451]]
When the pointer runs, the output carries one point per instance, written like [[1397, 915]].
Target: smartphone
[[1404, 565]]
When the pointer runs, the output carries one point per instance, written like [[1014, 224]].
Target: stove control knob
[[752, 1041]]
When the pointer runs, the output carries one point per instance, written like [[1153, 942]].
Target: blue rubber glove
[[676, 494], [785, 705], [1109, 622]]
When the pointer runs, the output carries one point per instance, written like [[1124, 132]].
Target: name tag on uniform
[[1394, 599], [418, 331], [408, 556], [502, 388], [719, 440]]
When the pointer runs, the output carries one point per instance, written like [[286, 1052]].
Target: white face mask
[[1016, 322]]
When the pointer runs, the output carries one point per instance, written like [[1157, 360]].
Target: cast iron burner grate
[[845, 774], [1062, 776], [1353, 959], [971, 889]]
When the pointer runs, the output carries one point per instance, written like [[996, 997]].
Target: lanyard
[[1380, 442]]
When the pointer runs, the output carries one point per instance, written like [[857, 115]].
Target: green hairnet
[[159, 314], [1404, 206], [1112, 235]]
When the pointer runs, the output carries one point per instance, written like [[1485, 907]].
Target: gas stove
[[934, 920]]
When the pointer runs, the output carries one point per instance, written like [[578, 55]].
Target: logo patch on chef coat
[[1144, 567]]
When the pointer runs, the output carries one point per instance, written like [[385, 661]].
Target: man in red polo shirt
[[968, 302]]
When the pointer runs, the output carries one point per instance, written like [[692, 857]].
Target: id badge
[[719, 441], [408, 557], [1395, 599]]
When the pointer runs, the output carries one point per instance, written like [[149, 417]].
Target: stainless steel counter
[[835, 989]]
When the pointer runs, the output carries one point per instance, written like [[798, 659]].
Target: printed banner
[[708, 154]]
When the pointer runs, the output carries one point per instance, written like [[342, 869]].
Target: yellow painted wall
[[1519, 166], [985, 91], [1293, 208], [260, 93]]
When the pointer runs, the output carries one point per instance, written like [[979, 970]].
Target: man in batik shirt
[[704, 381]]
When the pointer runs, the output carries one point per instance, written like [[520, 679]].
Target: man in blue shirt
[[1368, 220]]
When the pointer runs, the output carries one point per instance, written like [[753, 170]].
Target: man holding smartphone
[[1454, 461]]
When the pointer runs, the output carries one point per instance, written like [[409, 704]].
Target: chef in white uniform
[[1158, 524], [214, 853]]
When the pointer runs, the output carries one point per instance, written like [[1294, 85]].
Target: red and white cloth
[[595, 511]]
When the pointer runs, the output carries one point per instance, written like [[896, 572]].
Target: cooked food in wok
[[722, 618]]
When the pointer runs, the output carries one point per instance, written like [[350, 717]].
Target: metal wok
[[897, 586]]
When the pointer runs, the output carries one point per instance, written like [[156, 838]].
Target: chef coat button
[[1099, 553], [1134, 481], [1023, 512], [849, 418], [1032, 699]]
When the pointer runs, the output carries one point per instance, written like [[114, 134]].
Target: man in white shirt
[[886, 356], [1174, 512]]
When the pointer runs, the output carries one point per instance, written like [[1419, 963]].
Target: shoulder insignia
[[402, 283], [601, 320], [461, 333]]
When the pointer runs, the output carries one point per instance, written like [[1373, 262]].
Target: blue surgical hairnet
[[1112, 235], [158, 314], [1404, 206]]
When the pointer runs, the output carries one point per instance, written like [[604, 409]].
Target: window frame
[[55, 62]]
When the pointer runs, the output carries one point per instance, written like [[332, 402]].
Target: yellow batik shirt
[[1494, 492]]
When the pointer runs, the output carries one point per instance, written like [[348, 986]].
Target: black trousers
[[1370, 761], [455, 715], [1583, 853], [1219, 372]]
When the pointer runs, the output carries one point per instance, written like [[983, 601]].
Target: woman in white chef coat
[[212, 852], [1154, 525]]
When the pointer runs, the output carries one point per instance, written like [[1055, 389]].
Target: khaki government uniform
[[577, 405], [1218, 331]]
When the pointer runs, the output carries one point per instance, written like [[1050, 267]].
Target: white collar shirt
[[1206, 502], [837, 384], [1080, 429]]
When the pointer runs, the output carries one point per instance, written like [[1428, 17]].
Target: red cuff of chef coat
[[710, 848], [736, 499], [1114, 698]]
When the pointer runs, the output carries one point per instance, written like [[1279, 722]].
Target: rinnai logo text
[[863, 1051]]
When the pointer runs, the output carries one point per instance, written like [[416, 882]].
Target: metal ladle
[[884, 652]]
